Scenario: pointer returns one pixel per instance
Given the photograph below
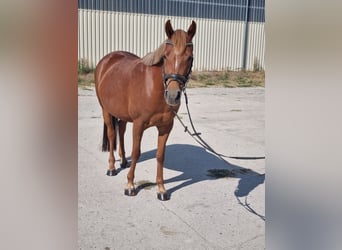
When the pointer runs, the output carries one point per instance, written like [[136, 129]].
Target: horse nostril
[[178, 95]]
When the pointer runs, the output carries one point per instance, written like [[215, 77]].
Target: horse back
[[113, 62]]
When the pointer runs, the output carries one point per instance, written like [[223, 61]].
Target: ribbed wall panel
[[218, 44]]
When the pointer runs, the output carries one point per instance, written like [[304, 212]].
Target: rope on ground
[[197, 137]]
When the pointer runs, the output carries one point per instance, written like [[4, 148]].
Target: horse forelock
[[179, 40]]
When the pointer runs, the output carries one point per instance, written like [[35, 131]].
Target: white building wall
[[218, 44]]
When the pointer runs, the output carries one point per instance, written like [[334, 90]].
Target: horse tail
[[105, 140]]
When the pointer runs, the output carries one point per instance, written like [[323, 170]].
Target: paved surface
[[204, 212]]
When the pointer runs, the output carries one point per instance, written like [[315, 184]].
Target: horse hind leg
[[109, 140], [122, 153]]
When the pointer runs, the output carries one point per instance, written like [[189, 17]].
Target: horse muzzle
[[173, 97]]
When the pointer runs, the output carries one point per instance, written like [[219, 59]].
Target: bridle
[[181, 79]]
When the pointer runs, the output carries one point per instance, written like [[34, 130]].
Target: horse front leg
[[163, 135], [138, 130]]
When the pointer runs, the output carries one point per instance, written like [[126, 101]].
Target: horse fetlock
[[161, 187], [111, 165]]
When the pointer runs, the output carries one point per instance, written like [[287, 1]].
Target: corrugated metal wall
[[218, 44]]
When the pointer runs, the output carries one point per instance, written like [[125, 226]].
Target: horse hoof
[[130, 192], [111, 172], [163, 196]]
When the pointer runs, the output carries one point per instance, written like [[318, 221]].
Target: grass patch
[[84, 67], [85, 74], [228, 79], [86, 80]]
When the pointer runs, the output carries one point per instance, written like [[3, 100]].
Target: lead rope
[[197, 137]]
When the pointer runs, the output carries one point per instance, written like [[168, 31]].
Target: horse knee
[[160, 158]]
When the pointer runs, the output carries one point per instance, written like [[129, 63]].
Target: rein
[[197, 137], [182, 80]]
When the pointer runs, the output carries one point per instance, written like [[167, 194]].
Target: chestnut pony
[[145, 91]]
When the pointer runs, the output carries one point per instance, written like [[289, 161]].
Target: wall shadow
[[194, 162]]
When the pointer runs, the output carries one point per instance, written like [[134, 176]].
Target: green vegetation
[[228, 79], [83, 67], [85, 74]]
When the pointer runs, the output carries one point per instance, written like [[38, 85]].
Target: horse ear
[[168, 29], [192, 30]]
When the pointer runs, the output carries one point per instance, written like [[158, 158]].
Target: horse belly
[[114, 96]]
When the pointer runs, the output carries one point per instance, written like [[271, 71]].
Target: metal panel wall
[[218, 44], [213, 9]]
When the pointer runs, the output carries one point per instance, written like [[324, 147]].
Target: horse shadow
[[196, 164]]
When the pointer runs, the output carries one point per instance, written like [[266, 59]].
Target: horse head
[[178, 57]]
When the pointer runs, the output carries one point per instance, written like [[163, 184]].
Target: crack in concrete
[[209, 243]]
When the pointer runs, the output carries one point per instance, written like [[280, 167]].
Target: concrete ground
[[214, 204]]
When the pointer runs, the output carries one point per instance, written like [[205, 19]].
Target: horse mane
[[154, 57]]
